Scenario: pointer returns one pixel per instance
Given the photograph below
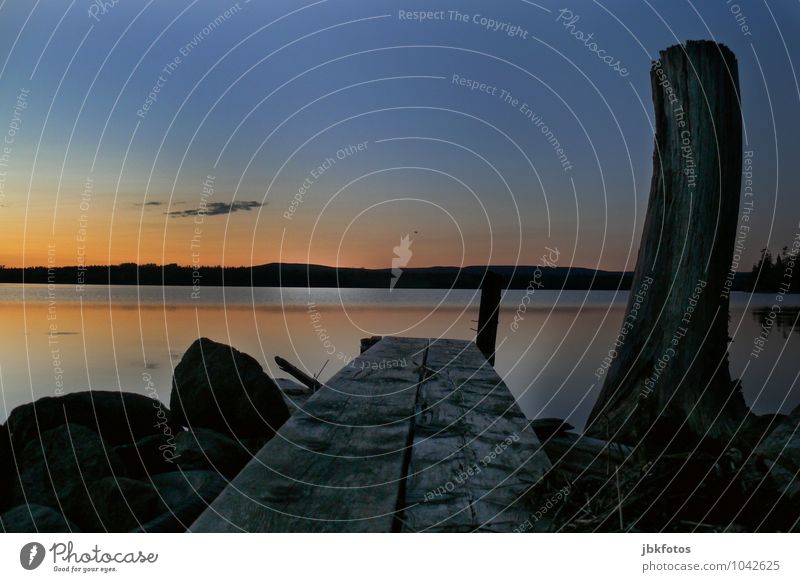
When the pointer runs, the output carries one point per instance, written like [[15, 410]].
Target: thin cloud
[[218, 208], [149, 203]]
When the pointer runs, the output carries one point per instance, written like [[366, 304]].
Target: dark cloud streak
[[217, 208]]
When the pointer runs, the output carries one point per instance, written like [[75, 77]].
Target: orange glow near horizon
[[151, 242], [111, 231]]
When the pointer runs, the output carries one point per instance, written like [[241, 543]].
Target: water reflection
[[111, 336], [785, 320]]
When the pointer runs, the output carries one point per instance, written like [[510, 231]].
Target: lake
[[56, 340]]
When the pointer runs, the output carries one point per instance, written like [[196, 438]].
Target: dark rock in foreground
[[177, 488], [118, 417], [295, 395], [35, 518], [550, 427], [771, 477], [207, 450], [60, 463], [57, 474], [218, 387], [148, 456], [782, 445], [113, 504], [186, 495], [7, 469]]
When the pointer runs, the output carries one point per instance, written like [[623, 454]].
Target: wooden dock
[[413, 435]]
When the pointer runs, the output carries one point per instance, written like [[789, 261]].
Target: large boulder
[[294, 395], [782, 445], [119, 417], [755, 430], [112, 504], [35, 518], [7, 470], [178, 487], [186, 495], [771, 478], [207, 450], [770, 497], [218, 387], [149, 456], [62, 460]]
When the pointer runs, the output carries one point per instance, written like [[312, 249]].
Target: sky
[[243, 133]]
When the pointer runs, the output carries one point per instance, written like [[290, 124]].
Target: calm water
[[111, 338]]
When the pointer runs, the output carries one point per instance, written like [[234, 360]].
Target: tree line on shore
[[300, 275], [776, 272], [770, 274]]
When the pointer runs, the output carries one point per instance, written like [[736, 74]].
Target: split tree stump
[[669, 384]]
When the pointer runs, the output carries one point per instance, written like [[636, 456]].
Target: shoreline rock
[[35, 518], [50, 466], [110, 461], [118, 417], [216, 386]]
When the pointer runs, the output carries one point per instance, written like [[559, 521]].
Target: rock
[[119, 417], [783, 443], [755, 430], [771, 477], [206, 450], [64, 458], [148, 456], [7, 470], [550, 427], [218, 387], [254, 444], [35, 518], [295, 395], [771, 496], [177, 488], [113, 504], [187, 495]]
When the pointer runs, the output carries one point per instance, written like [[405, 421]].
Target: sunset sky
[[250, 103]]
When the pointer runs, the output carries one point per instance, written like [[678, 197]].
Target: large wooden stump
[[669, 382]]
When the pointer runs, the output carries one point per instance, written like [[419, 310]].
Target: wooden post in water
[[669, 384], [489, 315]]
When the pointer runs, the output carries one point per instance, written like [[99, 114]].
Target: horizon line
[[163, 265]]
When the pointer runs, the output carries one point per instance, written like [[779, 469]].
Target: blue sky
[[262, 98]]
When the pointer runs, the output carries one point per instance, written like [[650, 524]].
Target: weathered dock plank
[[369, 445], [337, 464], [474, 453]]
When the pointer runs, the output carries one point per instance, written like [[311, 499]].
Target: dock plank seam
[[398, 523]]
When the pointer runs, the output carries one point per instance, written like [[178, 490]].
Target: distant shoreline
[[315, 276]]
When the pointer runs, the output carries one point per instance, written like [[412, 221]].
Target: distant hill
[[299, 275]]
